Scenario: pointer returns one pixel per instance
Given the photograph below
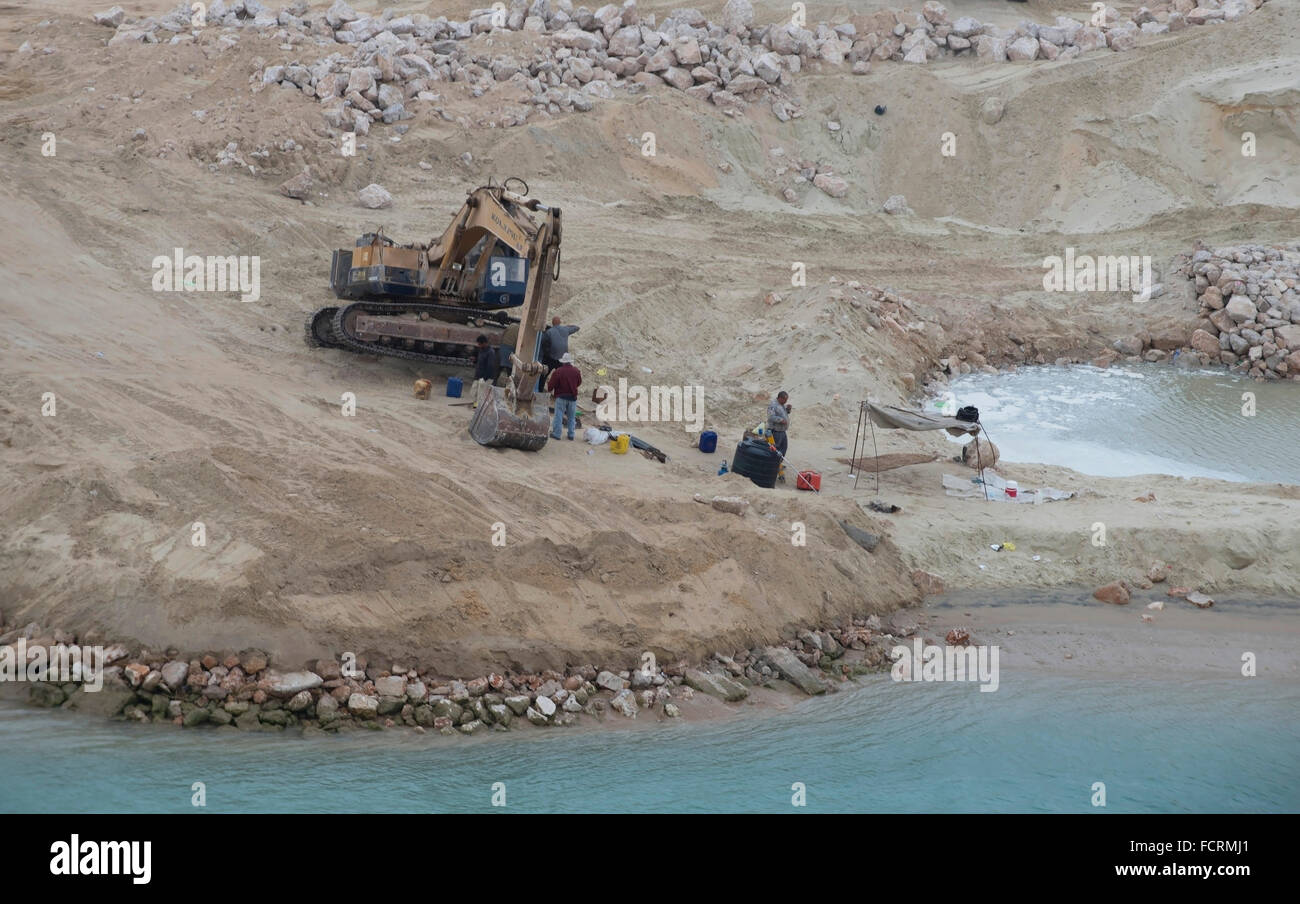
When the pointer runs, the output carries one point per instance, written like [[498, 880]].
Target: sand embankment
[[328, 533]]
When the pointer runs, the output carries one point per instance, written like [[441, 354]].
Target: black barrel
[[758, 461]]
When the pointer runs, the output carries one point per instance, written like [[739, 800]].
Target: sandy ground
[[1072, 634], [327, 533]]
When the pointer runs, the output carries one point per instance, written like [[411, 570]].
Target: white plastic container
[[1013, 489]]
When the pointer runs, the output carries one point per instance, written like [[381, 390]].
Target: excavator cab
[[506, 282]]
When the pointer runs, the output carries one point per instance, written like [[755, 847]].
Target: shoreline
[[1060, 631], [243, 691]]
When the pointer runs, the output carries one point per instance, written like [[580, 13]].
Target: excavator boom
[[507, 415]]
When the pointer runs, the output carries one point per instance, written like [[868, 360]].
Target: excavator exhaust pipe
[[500, 421]]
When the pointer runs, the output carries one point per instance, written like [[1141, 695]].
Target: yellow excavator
[[431, 301]]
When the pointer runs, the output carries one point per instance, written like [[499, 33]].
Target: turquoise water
[[1036, 745]]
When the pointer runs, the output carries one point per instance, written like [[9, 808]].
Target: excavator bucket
[[497, 423]]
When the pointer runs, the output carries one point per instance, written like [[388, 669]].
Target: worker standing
[[486, 366], [564, 385], [555, 342], [778, 422]]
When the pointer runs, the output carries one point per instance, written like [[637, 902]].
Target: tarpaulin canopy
[[893, 418]]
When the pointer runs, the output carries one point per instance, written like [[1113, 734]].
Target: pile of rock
[[1250, 309], [246, 691], [394, 59]]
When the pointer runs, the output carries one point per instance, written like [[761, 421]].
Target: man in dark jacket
[[778, 422], [486, 366], [555, 342], [564, 384]]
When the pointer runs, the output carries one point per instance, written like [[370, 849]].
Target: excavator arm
[[483, 216], [507, 417]]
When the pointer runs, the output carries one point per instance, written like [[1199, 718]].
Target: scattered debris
[[1116, 593], [929, 584], [1158, 572], [865, 539], [733, 505]]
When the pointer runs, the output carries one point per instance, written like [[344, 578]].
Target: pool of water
[[1038, 744], [1157, 419]]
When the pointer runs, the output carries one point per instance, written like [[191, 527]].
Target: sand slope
[[327, 533]]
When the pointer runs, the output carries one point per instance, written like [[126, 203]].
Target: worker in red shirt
[[563, 384]]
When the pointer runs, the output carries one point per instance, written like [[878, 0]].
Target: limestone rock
[[897, 204], [339, 14], [392, 686], [783, 661], [1023, 48], [1205, 343], [721, 686], [363, 705], [291, 683], [297, 187], [174, 674], [832, 184], [1240, 308], [610, 681], [737, 16], [375, 197], [111, 17], [624, 702]]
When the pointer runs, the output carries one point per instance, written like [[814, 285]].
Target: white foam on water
[[1125, 421]]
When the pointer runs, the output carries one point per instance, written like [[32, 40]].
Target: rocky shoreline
[[245, 691], [1249, 309]]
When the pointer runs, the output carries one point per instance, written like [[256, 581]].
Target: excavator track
[[342, 337], [319, 329], [326, 328]]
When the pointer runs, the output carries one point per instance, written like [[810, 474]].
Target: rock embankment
[[380, 67], [247, 691], [1250, 309]]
